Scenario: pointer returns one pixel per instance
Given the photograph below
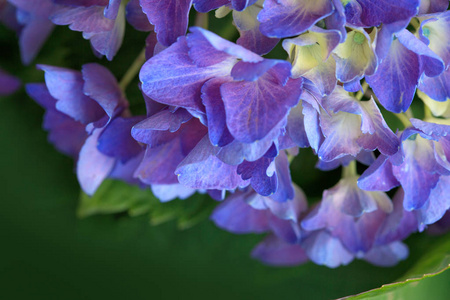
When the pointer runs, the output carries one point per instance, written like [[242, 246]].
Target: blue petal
[[387, 255], [281, 18], [171, 77], [66, 86], [437, 88], [116, 140], [102, 86], [379, 176], [215, 110], [431, 64], [236, 216], [93, 166], [323, 249], [201, 169], [249, 106], [394, 83], [170, 18], [276, 252], [375, 12]]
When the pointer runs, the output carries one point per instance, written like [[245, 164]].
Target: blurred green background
[[48, 253]]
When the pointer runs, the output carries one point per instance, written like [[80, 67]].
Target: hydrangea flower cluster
[[223, 119]]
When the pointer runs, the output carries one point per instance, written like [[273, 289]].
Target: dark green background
[[47, 253]]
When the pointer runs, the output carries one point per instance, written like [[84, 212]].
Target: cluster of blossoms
[[222, 119]]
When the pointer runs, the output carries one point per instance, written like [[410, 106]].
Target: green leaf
[[201, 211], [115, 196], [435, 262]]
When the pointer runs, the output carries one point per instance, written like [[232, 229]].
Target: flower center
[[359, 38]]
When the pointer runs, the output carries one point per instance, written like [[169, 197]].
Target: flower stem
[[415, 23], [201, 20], [132, 71], [350, 170], [404, 119], [360, 94]]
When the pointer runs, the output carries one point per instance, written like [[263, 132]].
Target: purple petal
[[285, 190], [240, 5], [8, 16], [208, 5], [236, 216], [112, 9], [287, 210], [387, 256], [41, 8], [442, 226], [8, 83], [235, 152], [375, 12], [155, 168], [282, 18], [364, 157], [377, 134], [435, 33], [385, 36], [159, 128], [249, 107], [255, 41], [200, 38], [116, 140], [93, 166], [337, 20], [85, 19], [82, 2], [172, 78], [152, 46], [257, 171], [170, 18], [438, 203], [167, 192], [215, 110], [252, 71], [323, 249], [395, 81], [437, 88], [379, 176], [296, 126], [432, 6], [353, 86], [341, 101], [352, 215], [341, 132], [102, 86], [66, 86], [312, 126], [276, 252], [399, 224], [201, 169], [33, 36], [431, 129], [108, 42], [66, 134], [124, 171], [432, 64], [324, 76], [415, 179], [136, 17]]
